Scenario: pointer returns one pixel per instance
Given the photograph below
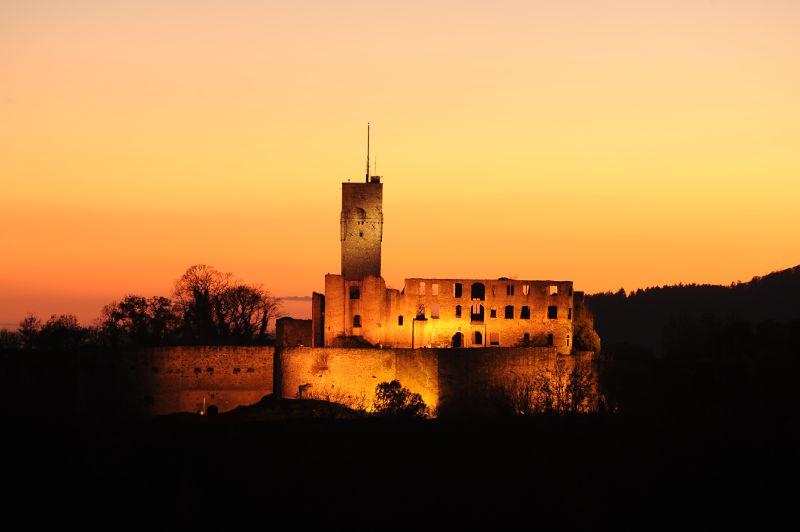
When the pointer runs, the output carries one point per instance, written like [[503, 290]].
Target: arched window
[[458, 340], [357, 320], [478, 291], [476, 312], [478, 338]]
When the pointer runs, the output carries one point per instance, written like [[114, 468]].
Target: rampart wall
[[441, 376], [165, 380]]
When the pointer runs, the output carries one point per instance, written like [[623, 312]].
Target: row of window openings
[[494, 339], [525, 314], [211, 370], [458, 289], [476, 313], [477, 292]]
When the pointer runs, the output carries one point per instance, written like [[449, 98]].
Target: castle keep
[[358, 309]]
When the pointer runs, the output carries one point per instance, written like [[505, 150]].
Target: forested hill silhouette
[[701, 320]]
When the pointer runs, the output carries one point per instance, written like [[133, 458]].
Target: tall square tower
[[362, 228]]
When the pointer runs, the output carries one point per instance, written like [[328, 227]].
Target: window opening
[[478, 291], [457, 288], [478, 340]]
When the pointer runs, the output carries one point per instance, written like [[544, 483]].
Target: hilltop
[[654, 319]]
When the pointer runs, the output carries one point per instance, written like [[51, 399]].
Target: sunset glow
[[612, 143]]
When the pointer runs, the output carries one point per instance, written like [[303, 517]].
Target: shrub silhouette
[[392, 399]]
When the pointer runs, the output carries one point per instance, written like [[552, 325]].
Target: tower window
[[457, 289], [553, 290], [355, 293], [567, 340], [509, 312], [434, 289], [509, 289], [400, 320], [526, 289], [458, 311], [569, 313], [357, 320], [526, 339], [525, 313], [435, 311], [361, 233], [552, 312], [550, 340], [569, 292]]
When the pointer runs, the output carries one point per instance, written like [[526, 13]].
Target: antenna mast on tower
[[367, 152]]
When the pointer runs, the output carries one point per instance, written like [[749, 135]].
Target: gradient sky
[[614, 143]]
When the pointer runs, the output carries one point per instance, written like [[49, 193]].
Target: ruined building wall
[[361, 229], [425, 313], [317, 320], [293, 332]]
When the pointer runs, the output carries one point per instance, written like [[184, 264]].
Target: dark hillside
[[658, 320]]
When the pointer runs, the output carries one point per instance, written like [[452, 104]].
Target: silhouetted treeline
[[700, 320], [719, 351], [208, 307]]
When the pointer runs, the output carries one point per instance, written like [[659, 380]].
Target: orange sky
[[613, 143]]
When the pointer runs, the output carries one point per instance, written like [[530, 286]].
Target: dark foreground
[[236, 470]]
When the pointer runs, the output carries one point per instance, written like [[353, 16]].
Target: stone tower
[[362, 228]]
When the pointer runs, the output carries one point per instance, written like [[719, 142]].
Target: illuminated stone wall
[[361, 229], [165, 380], [379, 311], [443, 377]]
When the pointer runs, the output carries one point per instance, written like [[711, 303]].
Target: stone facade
[[361, 230], [166, 380], [443, 377], [449, 313]]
